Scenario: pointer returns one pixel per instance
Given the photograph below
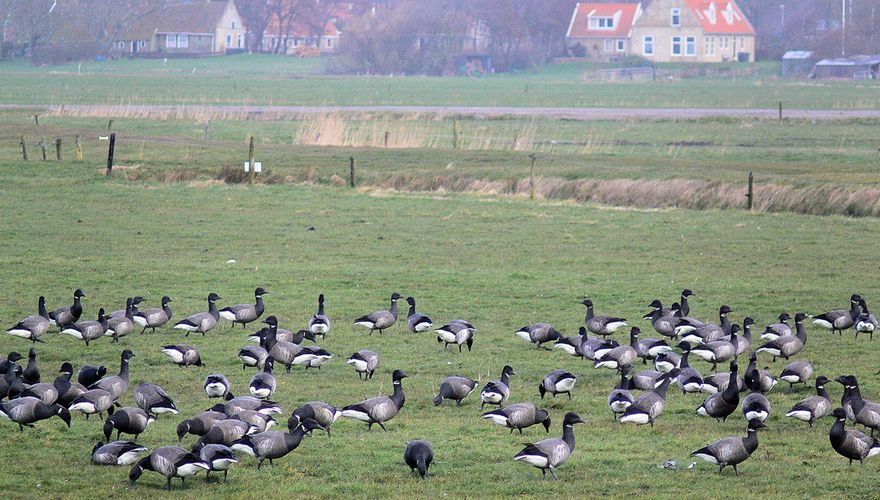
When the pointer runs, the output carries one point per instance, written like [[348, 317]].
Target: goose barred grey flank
[[601, 325], [319, 411], [496, 392], [557, 382], [201, 322], [620, 398], [26, 411], [65, 316], [121, 326], [722, 404], [689, 379], [779, 329], [538, 334], [863, 411], [798, 372], [756, 406], [648, 407], [117, 453], [132, 421], [380, 409], [182, 355], [245, 313], [457, 331], [851, 444], [732, 451], [220, 457], [200, 424], [271, 445], [814, 407], [455, 389], [840, 319], [380, 320], [116, 385], [364, 363], [788, 345], [154, 318], [153, 399], [620, 356], [518, 416], [549, 454], [32, 327], [417, 322], [87, 330], [169, 461], [91, 402]]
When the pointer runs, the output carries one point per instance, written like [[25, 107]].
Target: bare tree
[[256, 14], [33, 22]]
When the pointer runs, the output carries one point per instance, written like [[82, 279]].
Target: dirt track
[[485, 112]]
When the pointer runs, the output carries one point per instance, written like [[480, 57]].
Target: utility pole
[[843, 27]]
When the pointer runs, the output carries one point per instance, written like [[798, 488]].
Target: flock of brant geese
[[242, 424]]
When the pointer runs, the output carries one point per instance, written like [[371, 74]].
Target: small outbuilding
[[849, 68], [797, 63]]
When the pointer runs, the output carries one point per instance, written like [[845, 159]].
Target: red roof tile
[[721, 17], [624, 15]]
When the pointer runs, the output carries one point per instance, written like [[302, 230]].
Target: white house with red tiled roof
[[601, 31]]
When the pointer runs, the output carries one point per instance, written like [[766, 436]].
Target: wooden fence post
[[79, 150], [110, 152], [43, 148], [750, 195], [36, 119], [386, 139], [58, 149], [515, 140], [109, 124], [24, 155], [780, 110], [532, 177], [251, 161], [206, 131], [456, 135], [351, 171]]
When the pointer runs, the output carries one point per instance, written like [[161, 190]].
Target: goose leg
[[144, 330], [259, 463], [225, 474], [553, 474], [735, 471], [569, 395], [543, 473], [168, 487], [382, 426]]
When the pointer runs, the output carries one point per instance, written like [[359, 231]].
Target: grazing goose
[[417, 322], [863, 411], [689, 378], [380, 409], [572, 345], [454, 388], [25, 411], [718, 351], [548, 454], [272, 445], [67, 390], [201, 322], [623, 355], [593, 348], [91, 402], [88, 330], [225, 432], [319, 324], [117, 453], [45, 392], [557, 382], [798, 372], [814, 407], [220, 457], [457, 331], [253, 356], [866, 322], [840, 319], [380, 320], [646, 380], [320, 356], [789, 345], [519, 416], [170, 461], [235, 405], [851, 444], [32, 327], [721, 405], [120, 313], [496, 392], [259, 420], [245, 313], [286, 353], [65, 316], [717, 382], [31, 373], [649, 406], [121, 325], [364, 363], [668, 325], [282, 334], [116, 385], [666, 361], [601, 325], [216, 385], [538, 334], [649, 349], [710, 332], [182, 354], [418, 455], [733, 450], [263, 383], [620, 398], [89, 374], [132, 421], [319, 411], [153, 399], [200, 424], [756, 406], [154, 318], [776, 330], [762, 379]]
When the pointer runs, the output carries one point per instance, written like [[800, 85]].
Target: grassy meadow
[[500, 262]]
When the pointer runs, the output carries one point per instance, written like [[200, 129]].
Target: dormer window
[[601, 23], [675, 14], [233, 24]]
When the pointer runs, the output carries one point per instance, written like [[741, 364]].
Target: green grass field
[[501, 263], [268, 80]]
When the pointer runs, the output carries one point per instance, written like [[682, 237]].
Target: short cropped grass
[[499, 262]]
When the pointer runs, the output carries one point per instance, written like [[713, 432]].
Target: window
[[170, 42], [329, 43], [676, 17], [182, 41], [724, 42], [690, 46], [233, 24], [601, 23], [609, 45], [621, 45], [676, 45], [229, 39], [709, 46], [240, 41], [648, 48]]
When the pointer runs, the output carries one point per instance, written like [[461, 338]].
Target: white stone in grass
[[230, 261]]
